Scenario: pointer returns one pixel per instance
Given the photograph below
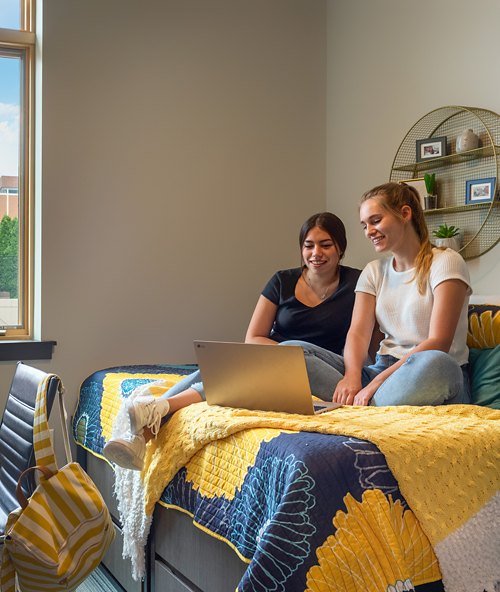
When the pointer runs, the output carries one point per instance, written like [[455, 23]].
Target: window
[[17, 50]]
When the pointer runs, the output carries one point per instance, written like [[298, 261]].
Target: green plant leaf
[[430, 182], [445, 231]]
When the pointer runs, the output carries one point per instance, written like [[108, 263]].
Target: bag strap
[[21, 498], [44, 451], [64, 422]]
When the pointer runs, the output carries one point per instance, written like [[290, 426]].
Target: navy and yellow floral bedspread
[[101, 394], [313, 512], [306, 511]]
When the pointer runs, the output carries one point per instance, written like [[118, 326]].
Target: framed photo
[[419, 185], [431, 148], [480, 190]]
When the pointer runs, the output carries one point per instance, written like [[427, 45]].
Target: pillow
[[485, 376], [484, 325]]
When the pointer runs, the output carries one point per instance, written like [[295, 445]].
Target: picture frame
[[480, 190], [431, 148], [419, 185]]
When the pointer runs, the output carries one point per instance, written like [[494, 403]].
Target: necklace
[[325, 293]]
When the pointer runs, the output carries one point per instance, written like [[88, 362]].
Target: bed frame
[[179, 556]]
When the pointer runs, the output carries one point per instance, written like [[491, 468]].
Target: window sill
[[20, 350]]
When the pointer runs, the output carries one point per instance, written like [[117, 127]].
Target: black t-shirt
[[326, 324]]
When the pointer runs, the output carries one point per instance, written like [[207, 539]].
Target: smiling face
[[382, 227], [320, 253]]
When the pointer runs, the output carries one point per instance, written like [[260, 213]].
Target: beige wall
[[183, 147], [389, 63]]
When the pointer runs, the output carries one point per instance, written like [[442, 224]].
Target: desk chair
[[16, 436]]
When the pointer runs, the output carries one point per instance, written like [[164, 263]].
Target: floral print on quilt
[[307, 511]]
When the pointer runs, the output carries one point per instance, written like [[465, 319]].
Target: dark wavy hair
[[331, 224]]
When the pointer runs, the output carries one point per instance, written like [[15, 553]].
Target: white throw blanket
[[129, 491]]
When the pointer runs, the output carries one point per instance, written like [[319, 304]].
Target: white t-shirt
[[404, 314]]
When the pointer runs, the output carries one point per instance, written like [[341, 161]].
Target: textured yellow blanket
[[446, 460]]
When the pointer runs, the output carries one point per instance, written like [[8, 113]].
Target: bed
[[389, 499]]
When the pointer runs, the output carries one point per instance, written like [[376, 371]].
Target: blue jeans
[[190, 381], [429, 377]]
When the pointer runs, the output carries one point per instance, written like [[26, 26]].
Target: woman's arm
[[356, 348], [262, 322], [448, 301]]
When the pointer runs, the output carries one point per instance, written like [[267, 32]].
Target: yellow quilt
[[446, 461]]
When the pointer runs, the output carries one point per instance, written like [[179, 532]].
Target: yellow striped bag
[[60, 534]]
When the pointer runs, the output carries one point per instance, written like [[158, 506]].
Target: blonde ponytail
[[393, 196]]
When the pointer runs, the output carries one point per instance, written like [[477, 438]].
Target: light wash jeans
[[190, 381], [429, 377]]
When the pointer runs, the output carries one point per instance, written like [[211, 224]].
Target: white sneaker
[[147, 411], [127, 451]]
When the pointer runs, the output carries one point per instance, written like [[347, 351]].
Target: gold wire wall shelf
[[440, 161], [479, 222]]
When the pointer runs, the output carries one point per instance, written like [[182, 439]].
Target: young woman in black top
[[310, 306]]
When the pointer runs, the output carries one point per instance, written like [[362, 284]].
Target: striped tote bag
[[60, 534]]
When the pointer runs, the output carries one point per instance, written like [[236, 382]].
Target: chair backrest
[[16, 435]]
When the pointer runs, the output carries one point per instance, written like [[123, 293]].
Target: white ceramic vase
[[467, 140], [451, 242]]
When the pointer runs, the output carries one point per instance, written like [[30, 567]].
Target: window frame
[[21, 43]]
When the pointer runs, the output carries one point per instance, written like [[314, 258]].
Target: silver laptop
[[251, 376]]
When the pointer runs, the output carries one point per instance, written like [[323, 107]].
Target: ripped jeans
[[429, 377]]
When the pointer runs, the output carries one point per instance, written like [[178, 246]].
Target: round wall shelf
[[467, 182]]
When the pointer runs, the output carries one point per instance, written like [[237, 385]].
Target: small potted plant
[[430, 200], [447, 236]]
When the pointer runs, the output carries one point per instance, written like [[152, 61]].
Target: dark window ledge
[[21, 350]]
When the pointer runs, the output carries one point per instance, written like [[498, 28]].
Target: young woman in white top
[[419, 296]]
